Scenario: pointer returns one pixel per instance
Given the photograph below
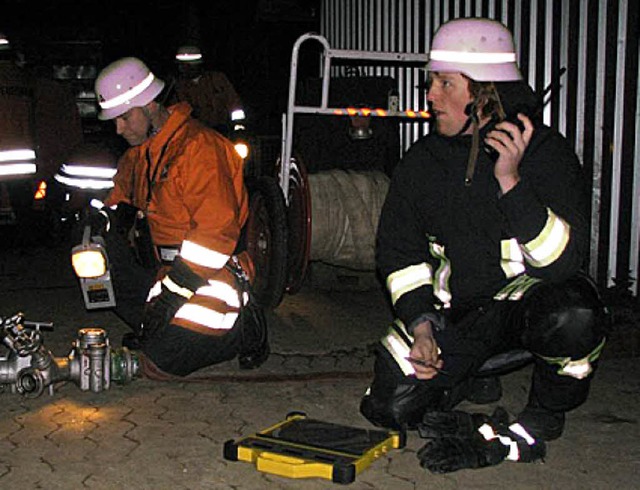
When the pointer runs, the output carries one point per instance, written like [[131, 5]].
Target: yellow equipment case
[[299, 447]]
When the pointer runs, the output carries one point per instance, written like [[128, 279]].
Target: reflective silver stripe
[[21, 155], [17, 168], [408, 279], [512, 260], [222, 291], [550, 243], [441, 277], [516, 288], [155, 290], [86, 171], [175, 288], [203, 256], [129, 94], [237, 115], [398, 344], [514, 453], [207, 317], [471, 57], [84, 183]]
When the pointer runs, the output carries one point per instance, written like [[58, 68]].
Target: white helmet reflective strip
[[125, 97], [17, 155], [511, 258], [237, 115], [550, 243], [472, 57], [408, 279], [207, 317], [222, 291], [203, 256], [84, 183], [188, 57]]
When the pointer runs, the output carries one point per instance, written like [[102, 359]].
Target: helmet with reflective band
[[189, 54], [124, 84], [481, 49]]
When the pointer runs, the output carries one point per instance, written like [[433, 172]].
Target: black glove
[[177, 287], [448, 454], [457, 423], [458, 440]]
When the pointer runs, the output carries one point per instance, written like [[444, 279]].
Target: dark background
[[249, 40]]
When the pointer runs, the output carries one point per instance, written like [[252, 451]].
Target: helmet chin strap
[[472, 120]]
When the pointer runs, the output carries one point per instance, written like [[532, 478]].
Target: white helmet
[[189, 54], [124, 84], [481, 49]]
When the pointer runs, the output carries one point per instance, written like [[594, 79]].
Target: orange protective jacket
[[188, 179]]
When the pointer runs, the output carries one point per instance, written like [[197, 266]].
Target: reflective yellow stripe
[[207, 317], [580, 368], [155, 290], [399, 350], [408, 279], [550, 243], [203, 256], [443, 272], [516, 288], [175, 288], [512, 260]]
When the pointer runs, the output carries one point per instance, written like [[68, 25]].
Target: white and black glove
[[168, 295], [458, 440]]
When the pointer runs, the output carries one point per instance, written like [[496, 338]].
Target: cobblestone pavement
[[170, 435]]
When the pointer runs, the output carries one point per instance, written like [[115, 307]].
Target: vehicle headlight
[[89, 262]]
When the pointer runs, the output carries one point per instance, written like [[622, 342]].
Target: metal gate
[[596, 103]]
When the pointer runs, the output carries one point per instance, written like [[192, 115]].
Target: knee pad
[[566, 324]]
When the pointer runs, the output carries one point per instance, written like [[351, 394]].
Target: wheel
[[267, 240], [299, 222]]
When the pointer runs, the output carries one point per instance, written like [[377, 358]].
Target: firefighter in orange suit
[[184, 182]]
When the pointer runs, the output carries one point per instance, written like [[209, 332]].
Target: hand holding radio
[[508, 141]]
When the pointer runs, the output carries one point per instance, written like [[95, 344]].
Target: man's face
[[448, 95], [133, 126]]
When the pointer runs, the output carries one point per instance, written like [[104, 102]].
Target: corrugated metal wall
[[596, 104]]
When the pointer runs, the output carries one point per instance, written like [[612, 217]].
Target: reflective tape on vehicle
[[203, 256], [84, 183], [550, 243]]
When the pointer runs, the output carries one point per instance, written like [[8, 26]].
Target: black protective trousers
[[172, 348], [552, 321]]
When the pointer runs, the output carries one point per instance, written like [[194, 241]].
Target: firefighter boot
[[254, 345]]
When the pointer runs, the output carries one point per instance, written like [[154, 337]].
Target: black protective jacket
[[442, 244]]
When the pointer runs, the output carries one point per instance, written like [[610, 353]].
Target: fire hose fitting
[[92, 363]]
